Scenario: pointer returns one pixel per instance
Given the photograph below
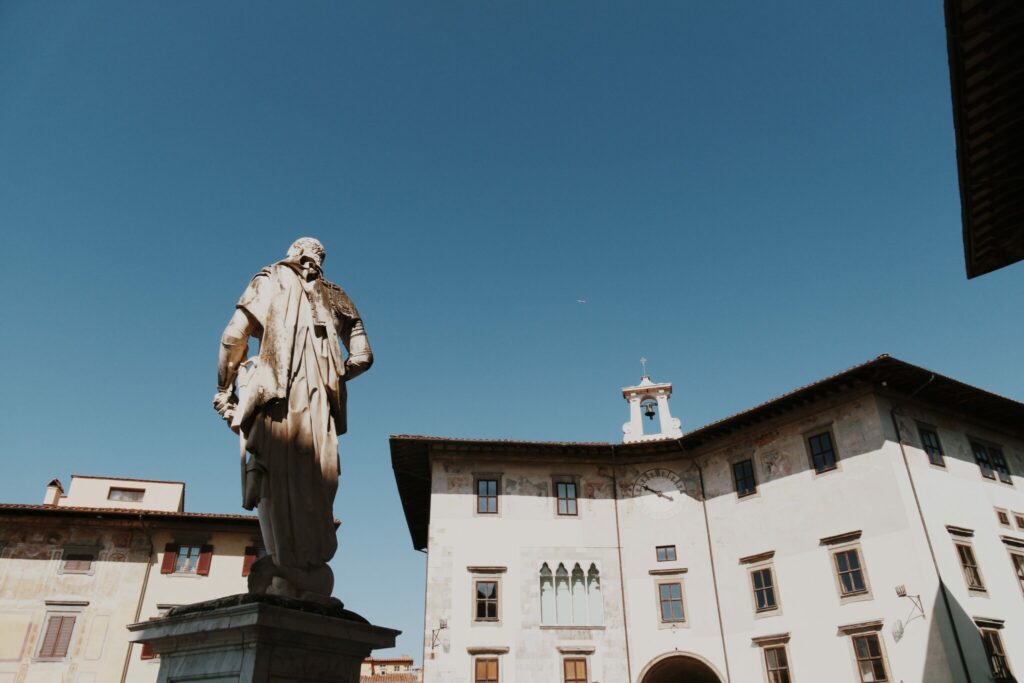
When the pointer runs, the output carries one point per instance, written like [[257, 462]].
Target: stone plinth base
[[261, 639]]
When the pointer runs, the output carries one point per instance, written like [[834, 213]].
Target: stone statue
[[289, 410]]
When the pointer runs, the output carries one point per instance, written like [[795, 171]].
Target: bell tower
[[648, 399]]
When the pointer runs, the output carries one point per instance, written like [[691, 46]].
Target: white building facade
[[869, 527]]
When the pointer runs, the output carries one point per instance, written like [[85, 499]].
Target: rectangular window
[[972, 574], [932, 446], [188, 559], [743, 476], [485, 670], [486, 601], [1018, 568], [1004, 518], [666, 553], [849, 572], [77, 562], [575, 670], [823, 453], [1019, 519], [57, 636], [764, 589], [997, 663], [566, 497], [983, 459], [670, 596], [487, 496], [777, 664], [999, 463], [870, 663], [126, 495]]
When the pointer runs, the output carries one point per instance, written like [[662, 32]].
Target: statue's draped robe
[[292, 408]]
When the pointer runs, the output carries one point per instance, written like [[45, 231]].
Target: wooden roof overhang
[[986, 73], [411, 455]]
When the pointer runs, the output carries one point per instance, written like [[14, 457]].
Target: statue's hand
[[224, 403]]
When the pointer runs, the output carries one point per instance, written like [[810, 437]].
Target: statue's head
[[308, 247]]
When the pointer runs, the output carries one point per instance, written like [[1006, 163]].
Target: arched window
[[570, 599], [563, 600], [595, 604], [579, 596], [547, 596]]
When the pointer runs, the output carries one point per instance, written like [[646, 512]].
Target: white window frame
[[765, 643], [769, 611], [671, 623], [72, 608], [483, 574], [842, 543], [966, 541]]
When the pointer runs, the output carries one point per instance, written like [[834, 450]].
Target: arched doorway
[[679, 668]]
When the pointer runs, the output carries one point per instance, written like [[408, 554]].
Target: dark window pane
[[671, 599], [487, 496], [981, 455], [566, 492], [822, 452], [999, 463], [743, 476], [932, 446]]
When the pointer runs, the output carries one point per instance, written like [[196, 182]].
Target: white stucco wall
[[93, 492]]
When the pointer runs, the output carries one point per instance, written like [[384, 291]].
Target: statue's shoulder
[[265, 272], [340, 301]]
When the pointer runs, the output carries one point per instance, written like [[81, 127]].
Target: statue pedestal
[[261, 638]]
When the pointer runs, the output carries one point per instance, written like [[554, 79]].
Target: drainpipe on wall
[[711, 556], [150, 561], [618, 548], [927, 536]]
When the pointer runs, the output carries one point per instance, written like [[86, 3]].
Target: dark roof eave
[[985, 59]]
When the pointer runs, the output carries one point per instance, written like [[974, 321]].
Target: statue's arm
[[234, 343], [360, 357]]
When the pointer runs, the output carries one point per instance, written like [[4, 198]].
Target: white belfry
[[642, 399]]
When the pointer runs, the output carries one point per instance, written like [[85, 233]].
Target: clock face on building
[[659, 491]]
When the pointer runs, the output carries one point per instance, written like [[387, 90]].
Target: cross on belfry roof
[[643, 366]]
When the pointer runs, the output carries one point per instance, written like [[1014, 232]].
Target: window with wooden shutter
[[205, 559], [170, 558], [57, 636], [575, 670], [77, 563], [147, 652], [247, 561], [485, 670]]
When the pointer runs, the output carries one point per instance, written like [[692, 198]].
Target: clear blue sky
[[752, 195]]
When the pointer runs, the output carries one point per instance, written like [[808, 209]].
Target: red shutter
[[170, 558], [250, 557], [147, 651], [205, 558]]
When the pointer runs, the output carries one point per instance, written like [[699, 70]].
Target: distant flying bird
[[581, 301]]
